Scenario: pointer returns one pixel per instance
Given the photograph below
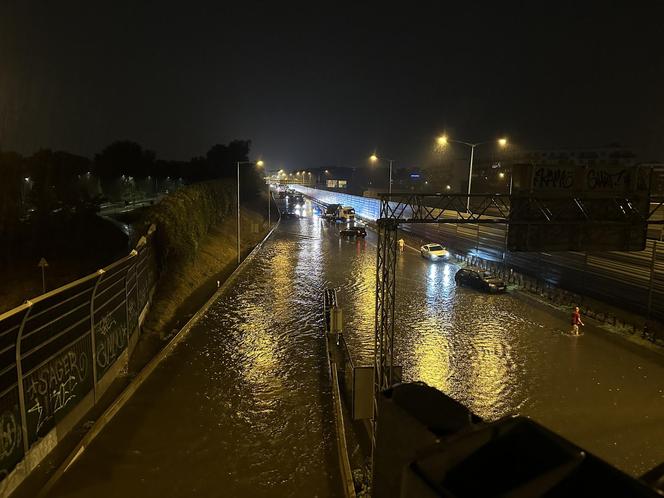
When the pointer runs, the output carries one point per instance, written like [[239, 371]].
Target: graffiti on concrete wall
[[54, 387]]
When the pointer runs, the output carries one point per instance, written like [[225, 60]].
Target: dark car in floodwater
[[479, 279], [353, 232]]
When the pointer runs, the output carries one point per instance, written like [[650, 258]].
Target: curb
[[137, 381]]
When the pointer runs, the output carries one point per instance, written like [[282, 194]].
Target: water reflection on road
[[506, 354], [241, 408]]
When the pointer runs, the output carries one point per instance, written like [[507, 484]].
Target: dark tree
[[121, 162]]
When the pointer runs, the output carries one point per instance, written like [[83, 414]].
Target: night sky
[[315, 85]]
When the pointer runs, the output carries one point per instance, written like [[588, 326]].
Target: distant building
[[593, 156]]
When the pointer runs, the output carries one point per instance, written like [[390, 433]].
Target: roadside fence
[[60, 351]]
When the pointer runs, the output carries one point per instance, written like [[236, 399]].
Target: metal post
[[269, 207], [651, 283], [507, 227], [93, 342], [390, 186], [19, 372], [238, 212], [384, 313], [470, 176]]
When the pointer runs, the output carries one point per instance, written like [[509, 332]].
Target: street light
[[239, 163], [443, 140], [374, 158]]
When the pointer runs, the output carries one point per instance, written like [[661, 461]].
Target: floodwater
[[241, 408]]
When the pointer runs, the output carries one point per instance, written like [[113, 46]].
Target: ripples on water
[[501, 355], [242, 406], [497, 354], [458, 340], [264, 342]]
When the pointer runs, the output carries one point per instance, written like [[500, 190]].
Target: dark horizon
[[313, 86]]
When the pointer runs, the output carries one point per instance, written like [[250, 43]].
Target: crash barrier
[[333, 332], [429, 445], [633, 280], [60, 351]]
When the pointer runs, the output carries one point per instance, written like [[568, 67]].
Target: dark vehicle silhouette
[[353, 232], [479, 279]]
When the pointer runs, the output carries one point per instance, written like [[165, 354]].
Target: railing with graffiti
[[55, 349]]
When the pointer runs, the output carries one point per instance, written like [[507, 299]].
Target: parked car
[[434, 252], [353, 232], [479, 279]]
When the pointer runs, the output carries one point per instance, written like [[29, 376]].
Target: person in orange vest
[[401, 244], [576, 321]]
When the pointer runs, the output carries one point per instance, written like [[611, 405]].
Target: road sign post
[[43, 264]]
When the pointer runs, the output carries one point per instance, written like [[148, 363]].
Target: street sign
[[42, 263]]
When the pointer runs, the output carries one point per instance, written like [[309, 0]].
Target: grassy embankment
[[196, 246]]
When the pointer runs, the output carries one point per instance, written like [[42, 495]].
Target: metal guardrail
[[55, 348]]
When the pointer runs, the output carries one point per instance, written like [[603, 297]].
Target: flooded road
[[241, 408]]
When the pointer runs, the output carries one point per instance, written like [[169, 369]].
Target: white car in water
[[434, 252]]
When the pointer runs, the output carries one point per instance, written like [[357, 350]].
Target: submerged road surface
[[242, 406]]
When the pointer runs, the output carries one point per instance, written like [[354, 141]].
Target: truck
[[337, 212], [332, 212], [347, 214]]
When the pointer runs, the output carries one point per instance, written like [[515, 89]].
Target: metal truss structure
[[520, 209]]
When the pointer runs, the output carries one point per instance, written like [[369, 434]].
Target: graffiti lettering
[[554, 178], [603, 179], [52, 387], [10, 434], [111, 340]]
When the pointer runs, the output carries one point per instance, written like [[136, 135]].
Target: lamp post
[[239, 163], [374, 158], [443, 141]]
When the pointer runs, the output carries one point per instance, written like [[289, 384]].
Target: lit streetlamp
[[239, 163], [374, 158], [443, 141]]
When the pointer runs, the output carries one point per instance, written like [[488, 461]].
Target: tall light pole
[[443, 141], [374, 158], [239, 163]]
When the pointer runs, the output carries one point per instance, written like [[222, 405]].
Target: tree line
[[53, 187]]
